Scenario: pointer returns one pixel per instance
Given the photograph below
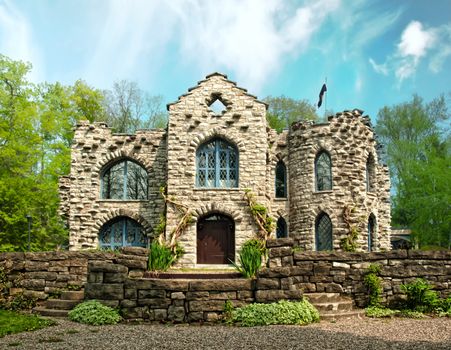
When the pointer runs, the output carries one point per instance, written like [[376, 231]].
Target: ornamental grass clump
[[283, 312], [94, 313], [162, 257], [250, 259]]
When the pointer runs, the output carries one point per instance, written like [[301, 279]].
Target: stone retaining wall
[[343, 272], [117, 279], [37, 275]]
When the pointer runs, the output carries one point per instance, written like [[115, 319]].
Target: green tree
[[418, 154], [36, 131], [283, 111]]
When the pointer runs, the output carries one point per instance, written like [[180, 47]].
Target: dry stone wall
[[169, 156], [349, 140], [341, 272], [95, 147]]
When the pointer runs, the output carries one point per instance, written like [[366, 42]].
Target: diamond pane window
[[124, 180], [281, 180], [281, 231], [217, 165], [323, 232], [122, 232], [323, 172]]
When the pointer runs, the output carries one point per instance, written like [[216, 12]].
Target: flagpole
[[325, 101]]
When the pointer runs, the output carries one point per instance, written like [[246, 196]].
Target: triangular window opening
[[217, 107]]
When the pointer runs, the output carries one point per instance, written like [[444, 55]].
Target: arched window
[[371, 232], [122, 232], [370, 174], [323, 232], [217, 165], [281, 180], [323, 172], [281, 231], [124, 180]]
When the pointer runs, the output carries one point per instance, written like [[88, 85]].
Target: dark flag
[[321, 94]]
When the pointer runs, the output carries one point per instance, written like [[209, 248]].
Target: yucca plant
[[161, 257], [250, 258]]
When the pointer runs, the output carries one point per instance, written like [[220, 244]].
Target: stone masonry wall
[[192, 123], [349, 140], [94, 149], [342, 272], [37, 275]]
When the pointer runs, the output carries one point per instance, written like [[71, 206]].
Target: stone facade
[[169, 157]]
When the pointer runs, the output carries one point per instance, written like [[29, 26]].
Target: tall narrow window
[[370, 174], [122, 232], [281, 180], [323, 172], [323, 232], [371, 232], [124, 180], [217, 165], [281, 231]]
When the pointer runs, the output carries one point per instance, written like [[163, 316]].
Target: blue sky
[[373, 53]]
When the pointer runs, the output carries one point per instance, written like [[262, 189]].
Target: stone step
[[324, 297], [50, 312], [337, 315], [72, 295], [345, 305], [59, 304]]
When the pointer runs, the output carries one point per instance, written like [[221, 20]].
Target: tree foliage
[[128, 108], [417, 141], [36, 123], [283, 111]]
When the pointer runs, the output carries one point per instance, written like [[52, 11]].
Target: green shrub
[[282, 312], [420, 296], [161, 257], [373, 284], [250, 258], [94, 313], [378, 312], [411, 314]]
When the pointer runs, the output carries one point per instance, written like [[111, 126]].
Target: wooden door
[[215, 240]]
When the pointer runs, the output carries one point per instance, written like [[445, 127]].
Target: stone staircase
[[333, 306], [60, 307]]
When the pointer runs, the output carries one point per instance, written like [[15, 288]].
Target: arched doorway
[[215, 239]]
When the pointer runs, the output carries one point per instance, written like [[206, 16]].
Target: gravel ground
[[432, 333]]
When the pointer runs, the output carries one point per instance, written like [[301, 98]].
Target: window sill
[[122, 200], [323, 192], [217, 189], [280, 199]]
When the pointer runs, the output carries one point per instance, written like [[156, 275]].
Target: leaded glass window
[[323, 232], [124, 180], [323, 172], [217, 165], [281, 231], [122, 232], [371, 231], [370, 174], [281, 180]]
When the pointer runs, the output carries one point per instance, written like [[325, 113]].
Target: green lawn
[[13, 322]]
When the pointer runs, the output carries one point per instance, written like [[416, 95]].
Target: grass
[[13, 322]]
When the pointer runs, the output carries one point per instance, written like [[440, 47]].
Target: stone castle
[[322, 183]]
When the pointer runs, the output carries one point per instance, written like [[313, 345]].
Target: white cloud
[[16, 39], [416, 44], [250, 38]]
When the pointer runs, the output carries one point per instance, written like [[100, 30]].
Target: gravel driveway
[[345, 334]]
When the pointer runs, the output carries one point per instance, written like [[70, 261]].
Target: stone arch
[[215, 133], [219, 208], [119, 155], [323, 238], [114, 213]]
